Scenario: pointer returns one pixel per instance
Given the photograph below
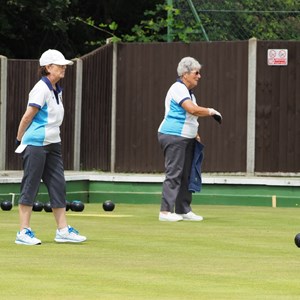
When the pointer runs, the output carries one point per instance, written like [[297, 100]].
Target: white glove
[[215, 114]]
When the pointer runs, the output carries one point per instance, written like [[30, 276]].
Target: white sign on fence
[[277, 57]]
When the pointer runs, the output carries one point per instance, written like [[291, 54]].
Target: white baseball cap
[[55, 57]]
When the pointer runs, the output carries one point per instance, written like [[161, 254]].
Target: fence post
[[113, 110], [3, 102], [252, 60], [77, 123]]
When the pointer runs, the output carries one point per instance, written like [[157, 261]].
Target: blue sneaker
[[69, 235], [26, 237]]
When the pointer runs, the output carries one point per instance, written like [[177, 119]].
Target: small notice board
[[277, 57]]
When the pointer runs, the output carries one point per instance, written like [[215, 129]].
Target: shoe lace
[[29, 233], [73, 230]]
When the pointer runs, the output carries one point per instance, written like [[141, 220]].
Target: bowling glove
[[216, 115]]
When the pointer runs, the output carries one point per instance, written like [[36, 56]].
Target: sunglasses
[[196, 72]]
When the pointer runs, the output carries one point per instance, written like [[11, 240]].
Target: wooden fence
[[114, 103]]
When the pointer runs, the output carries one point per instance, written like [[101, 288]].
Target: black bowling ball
[[6, 205], [47, 207], [108, 205], [297, 240], [68, 205], [77, 205], [37, 206]]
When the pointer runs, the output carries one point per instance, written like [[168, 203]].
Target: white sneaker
[[26, 237], [169, 217], [69, 235], [190, 216]]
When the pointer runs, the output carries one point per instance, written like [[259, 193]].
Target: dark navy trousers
[[43, 163]]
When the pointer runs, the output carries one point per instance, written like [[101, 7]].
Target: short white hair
[[186, 65]]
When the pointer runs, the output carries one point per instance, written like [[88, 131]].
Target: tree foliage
[[216, 20], [241, 20], [27, 28], [153, 28], [76, 27]]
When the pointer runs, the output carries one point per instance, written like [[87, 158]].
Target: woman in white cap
[[39, 143]]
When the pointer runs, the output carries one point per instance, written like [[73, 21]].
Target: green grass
[[235, 253]]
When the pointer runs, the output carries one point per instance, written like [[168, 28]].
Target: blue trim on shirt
[[190, 91], [49, 84], [180, 103], [57, 89], [34, 105]]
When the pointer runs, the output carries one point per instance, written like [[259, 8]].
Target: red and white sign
[[277, 57]]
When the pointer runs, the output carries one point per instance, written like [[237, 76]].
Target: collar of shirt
[[190, 91], [49, 84]]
